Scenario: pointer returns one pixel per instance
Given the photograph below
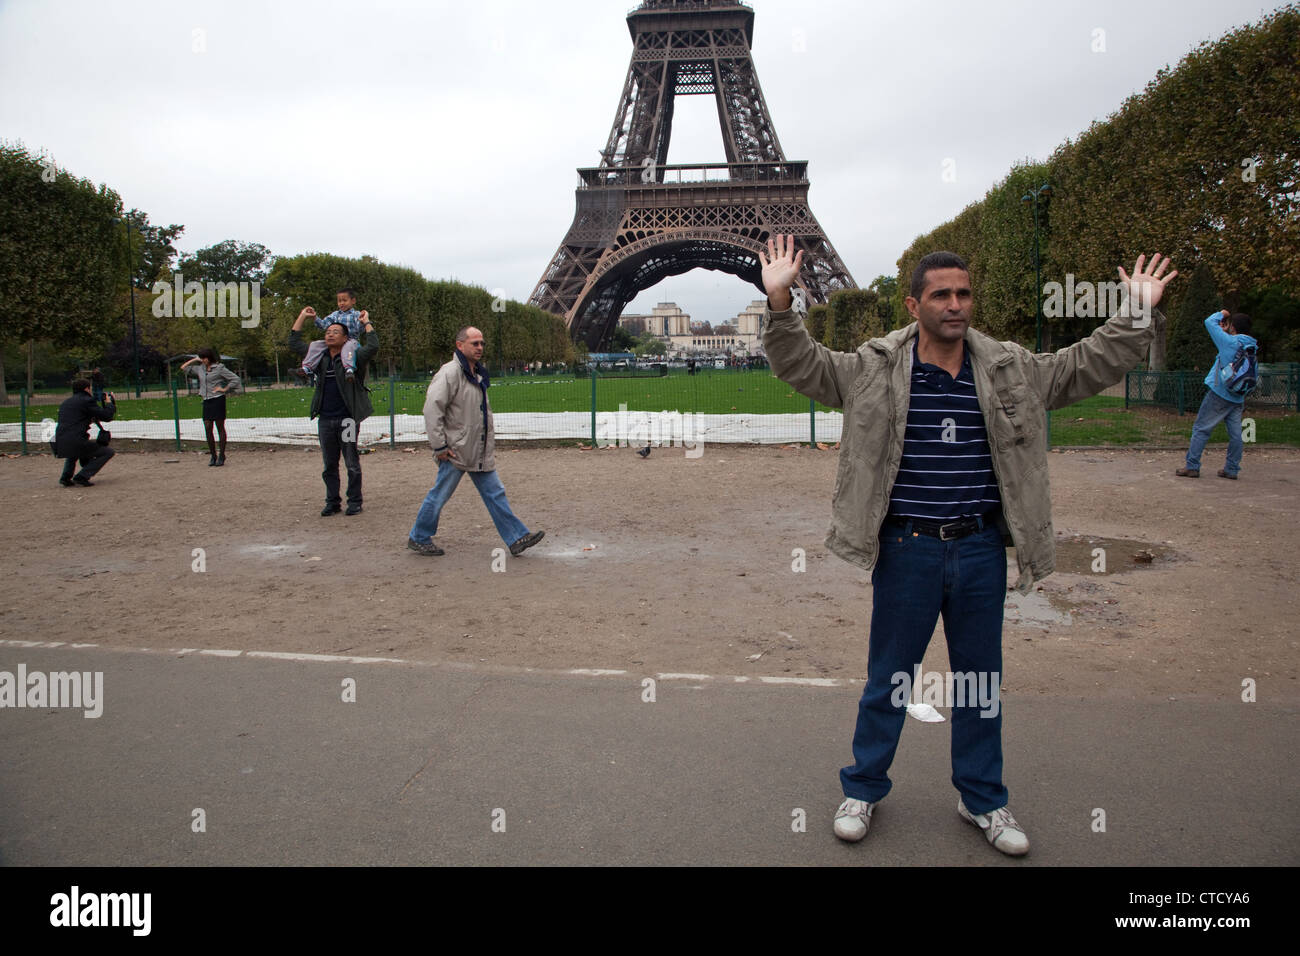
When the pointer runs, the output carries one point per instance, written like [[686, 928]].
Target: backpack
[[1242, 374]]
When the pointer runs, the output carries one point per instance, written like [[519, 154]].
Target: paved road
[[581, 770]]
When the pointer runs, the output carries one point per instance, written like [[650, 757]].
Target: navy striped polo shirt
[[947, 467]]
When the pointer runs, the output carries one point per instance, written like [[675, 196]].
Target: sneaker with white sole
[[852, 819], [1000, 827]]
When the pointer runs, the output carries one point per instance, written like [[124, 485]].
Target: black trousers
[[92, 456], [330, 431]]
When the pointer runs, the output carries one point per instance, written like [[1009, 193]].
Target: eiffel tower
[[640, 220]]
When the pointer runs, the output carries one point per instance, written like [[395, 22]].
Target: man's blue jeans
[[490, 490], [916, 579], [1214, 410]]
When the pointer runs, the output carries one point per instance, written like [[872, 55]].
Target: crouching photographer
[[72, 441]]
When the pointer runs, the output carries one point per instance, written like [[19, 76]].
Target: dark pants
[[92, 455], [916, 579], [330, 432]]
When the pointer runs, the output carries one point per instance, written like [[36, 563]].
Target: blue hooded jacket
[[1227, 346]]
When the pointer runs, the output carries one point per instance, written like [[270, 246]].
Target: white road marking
[[325, 658], [308, 658], [684, 676], [802, 681]]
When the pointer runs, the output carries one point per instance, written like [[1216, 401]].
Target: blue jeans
[[916, 579], [490, 490], [1214, 410]]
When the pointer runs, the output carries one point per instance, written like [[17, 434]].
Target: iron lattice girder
[[639, 220], [690, 48]]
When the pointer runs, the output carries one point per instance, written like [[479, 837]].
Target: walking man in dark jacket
[[72, 441], [342, 404]]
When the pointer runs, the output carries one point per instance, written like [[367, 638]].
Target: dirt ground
[[664, 564]]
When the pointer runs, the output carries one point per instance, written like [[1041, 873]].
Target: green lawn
[[710, 390], [1095, 421], [1102, 420]]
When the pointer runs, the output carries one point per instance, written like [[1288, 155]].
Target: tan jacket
[[457, 416], [1014, 385]]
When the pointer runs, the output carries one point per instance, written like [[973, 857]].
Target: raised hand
[[780, 270], [1146, 286]]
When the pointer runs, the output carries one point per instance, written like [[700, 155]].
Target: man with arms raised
[[943, 460]]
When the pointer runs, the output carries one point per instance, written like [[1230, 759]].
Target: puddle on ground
[[1078, 554], [1036, 607]]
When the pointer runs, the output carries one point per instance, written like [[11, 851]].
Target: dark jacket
[[355, 395], [75, 417]]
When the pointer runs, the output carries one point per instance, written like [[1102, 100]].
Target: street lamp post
[[1032, 197], [130, 291]]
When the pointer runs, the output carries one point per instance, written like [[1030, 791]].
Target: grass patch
[[1100, 420]]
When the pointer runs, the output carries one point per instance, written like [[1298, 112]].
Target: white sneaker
[[852, 819], [1000, 827]]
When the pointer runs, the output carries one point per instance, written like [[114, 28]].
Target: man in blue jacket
[[1230, 332]]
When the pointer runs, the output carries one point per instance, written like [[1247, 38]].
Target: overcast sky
[[444, 136]]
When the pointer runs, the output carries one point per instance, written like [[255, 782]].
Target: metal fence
[[667, 407], [1279, 387]]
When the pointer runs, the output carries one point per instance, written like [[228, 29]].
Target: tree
[[851, 320], [885, 288], [417, 318], [815, 321], [229, 261], [621, 340], [62, 261], [152, 249], [1201, 166], [1189, 347], [1275, 323], [652, 346]]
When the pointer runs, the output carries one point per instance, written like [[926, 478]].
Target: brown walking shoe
[[526, 542], [1224, 474], [1188, 473], [426, 548]]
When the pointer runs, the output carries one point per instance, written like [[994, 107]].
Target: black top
[[76, 415], [331, 403]]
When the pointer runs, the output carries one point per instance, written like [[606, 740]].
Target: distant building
[[671, 324]]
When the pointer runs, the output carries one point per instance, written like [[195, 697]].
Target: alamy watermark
[[1089, 300], [76, 908], [963, 689], [83, 689], [624, 429], [208, 300]]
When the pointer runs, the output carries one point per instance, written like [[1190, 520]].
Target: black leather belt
[[943, 530]]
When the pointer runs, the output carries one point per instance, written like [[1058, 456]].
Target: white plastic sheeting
[[624, 427]]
